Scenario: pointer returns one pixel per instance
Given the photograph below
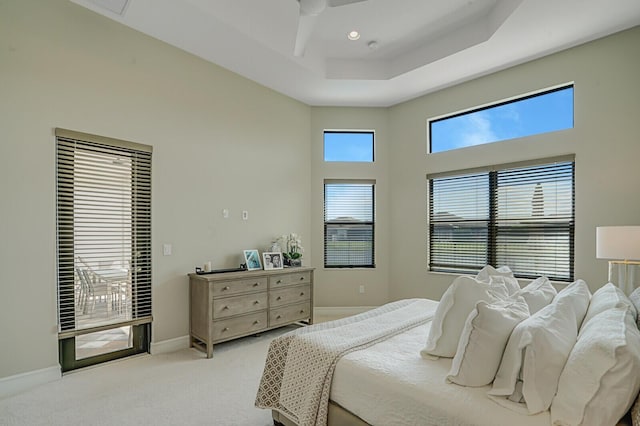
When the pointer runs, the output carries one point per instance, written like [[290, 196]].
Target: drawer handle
[[302, 293], [256, 284], [225, 288], [225, 329], [256, 322], [278, 298], [301, 278], [278, 317], [279, 282], [257, 302], [225, 308], [302, 311]]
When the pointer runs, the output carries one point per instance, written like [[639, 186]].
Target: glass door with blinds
[[103, 248]]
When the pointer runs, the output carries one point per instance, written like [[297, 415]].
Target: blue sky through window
[[546, 112], [348, 146]]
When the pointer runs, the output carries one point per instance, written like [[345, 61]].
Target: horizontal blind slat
[[104, 231]]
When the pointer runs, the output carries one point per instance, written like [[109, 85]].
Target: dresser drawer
[[288, 279], [289, 314], [229, 306], [289, 295], [229, 328], [228, 288]]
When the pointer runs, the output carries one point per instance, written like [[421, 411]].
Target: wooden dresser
[[226, 306]]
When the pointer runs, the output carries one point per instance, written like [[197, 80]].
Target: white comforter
[[298, 371], [390, 384]]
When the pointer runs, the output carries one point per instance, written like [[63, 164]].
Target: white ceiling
[[422, 45]]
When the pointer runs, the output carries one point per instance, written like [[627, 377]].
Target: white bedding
[[389, 383], [298, 371]]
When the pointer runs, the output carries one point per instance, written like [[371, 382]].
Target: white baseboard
[[13, 385], [170, 345], [341, 311], [184, 342]]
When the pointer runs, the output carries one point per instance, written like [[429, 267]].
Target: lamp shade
[[618, 242]]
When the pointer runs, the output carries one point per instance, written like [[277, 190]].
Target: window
[[348, 146], [544, 112], [518, 215], [349, 225], [103, 248]]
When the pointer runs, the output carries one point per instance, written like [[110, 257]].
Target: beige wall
[[605, 140], [340, 287], [219, 140]]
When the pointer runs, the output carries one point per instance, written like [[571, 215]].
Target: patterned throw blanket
[[299, 368]]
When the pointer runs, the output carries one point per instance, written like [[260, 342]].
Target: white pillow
[[607, 297], [600, 381], [538, 294], [452, 312], [483, 340], [502, 275], [538, 350]]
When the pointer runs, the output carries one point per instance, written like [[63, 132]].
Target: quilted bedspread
[[299, 367]]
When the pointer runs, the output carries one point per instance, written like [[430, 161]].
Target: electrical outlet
[[245, 215], [225, 213], [361, 289], [167, 249]]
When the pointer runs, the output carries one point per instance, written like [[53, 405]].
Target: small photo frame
[[252, 259], [272, 260]]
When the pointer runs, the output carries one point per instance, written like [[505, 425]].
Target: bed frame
[[337, 416]]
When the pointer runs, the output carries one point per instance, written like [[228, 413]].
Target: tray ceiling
[[406, 48]]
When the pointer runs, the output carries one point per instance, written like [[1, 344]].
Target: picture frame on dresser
[[272, 260], [252, 259]]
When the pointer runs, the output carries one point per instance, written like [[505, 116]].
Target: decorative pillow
[[600, 381], [502, 275], [452, 312], [607, 297], [538, 294], [483, 340], [537, 351]]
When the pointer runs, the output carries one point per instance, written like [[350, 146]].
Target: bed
[[377, 378]]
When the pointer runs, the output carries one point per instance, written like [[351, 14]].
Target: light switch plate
[[167, 249]]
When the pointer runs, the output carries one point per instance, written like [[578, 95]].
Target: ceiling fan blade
[[311, 7], [336, 3], [305, 28]]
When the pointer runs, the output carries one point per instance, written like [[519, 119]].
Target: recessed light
[[353, 35]]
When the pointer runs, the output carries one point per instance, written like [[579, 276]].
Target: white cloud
[[475, 130]]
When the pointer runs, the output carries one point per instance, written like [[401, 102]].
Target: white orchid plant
[[291, 246]]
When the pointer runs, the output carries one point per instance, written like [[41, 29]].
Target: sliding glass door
[[104, 248]]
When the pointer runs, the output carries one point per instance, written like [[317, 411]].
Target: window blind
[[534, 220], [459, 223], [104, 232], [519, 216], [349, 224]]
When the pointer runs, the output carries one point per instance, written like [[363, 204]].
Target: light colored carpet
[[180, 388]]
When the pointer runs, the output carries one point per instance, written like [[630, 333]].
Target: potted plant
[[291, 249]]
